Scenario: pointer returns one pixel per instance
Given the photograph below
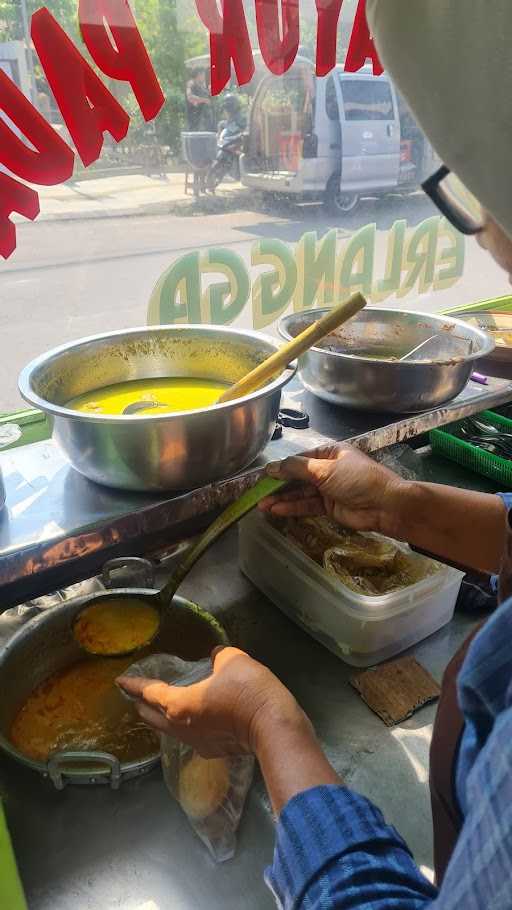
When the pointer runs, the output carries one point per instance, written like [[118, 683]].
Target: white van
[[335, 138]]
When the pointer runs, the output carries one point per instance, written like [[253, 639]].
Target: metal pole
[[28, 44]]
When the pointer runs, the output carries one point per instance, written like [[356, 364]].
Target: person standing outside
[[199, 104]]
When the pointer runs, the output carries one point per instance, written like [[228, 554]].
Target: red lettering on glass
[[50, 160], [328, 12], [87, 106], [229, 38], [361, 46], [209, 14], [278, 52], [127, 60], [14, 197], [229, 41]]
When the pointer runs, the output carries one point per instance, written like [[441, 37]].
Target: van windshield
[[367, 99]]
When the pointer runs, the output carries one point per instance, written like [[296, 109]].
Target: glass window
[[278, 232], [331, 101], [367, 99]]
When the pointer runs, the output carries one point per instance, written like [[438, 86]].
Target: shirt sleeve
[[334, 851], [507, 500], [479, 872]]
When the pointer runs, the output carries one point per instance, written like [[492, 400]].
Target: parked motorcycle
[[229, 145]]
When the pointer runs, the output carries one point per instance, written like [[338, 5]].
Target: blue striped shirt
[[334, 850]]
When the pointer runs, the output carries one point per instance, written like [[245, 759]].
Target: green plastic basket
[[471, 456]]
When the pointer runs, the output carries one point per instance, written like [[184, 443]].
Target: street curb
[[204, 205], [157, 208]]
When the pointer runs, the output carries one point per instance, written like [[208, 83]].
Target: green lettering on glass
[[316, 262], [386, 286], [176, 297], [420, 257], [311, 275], [272, 291], [222, 302], [454, 254], [355, 263]]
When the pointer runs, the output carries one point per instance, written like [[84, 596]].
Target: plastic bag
[[399, 458], [211, 792]]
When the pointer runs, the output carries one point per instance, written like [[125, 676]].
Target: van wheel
[[336, 201], [271, 200]]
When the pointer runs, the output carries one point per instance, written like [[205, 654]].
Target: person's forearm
[[291, 760], [462, 526]]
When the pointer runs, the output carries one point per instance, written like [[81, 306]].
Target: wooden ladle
[[278, 361]]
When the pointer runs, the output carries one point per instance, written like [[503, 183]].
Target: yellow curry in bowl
[[166, 396], [81, 709]]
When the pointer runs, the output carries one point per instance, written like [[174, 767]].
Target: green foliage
[[159, 28], [168, 45], [11, 22]]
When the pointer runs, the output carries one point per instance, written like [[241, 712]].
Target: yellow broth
[[172, 395], [81, 709], [116, 626]]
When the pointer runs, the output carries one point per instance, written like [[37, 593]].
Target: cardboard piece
[[396, 690]]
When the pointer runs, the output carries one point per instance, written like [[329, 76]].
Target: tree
[[170, 39], [168, 45], [11, 17]]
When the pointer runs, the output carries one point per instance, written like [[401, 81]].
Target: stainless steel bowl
[[177, 451], [373, 383]]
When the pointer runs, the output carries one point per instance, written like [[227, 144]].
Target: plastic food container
[[362, 630]]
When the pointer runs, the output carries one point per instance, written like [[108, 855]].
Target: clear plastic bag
[[399, 458], [211, 792]]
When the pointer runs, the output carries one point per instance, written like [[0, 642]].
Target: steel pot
[[178, 451], [373, 384], [46, 645]]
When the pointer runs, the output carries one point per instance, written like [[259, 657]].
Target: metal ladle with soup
[[117, 626]]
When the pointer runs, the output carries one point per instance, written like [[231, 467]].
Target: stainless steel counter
[[91, 848], [59, 527]]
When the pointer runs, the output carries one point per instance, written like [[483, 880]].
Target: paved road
[[70, 279]]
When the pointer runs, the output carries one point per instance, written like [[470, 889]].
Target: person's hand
[[340, 482], [231, 712]]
